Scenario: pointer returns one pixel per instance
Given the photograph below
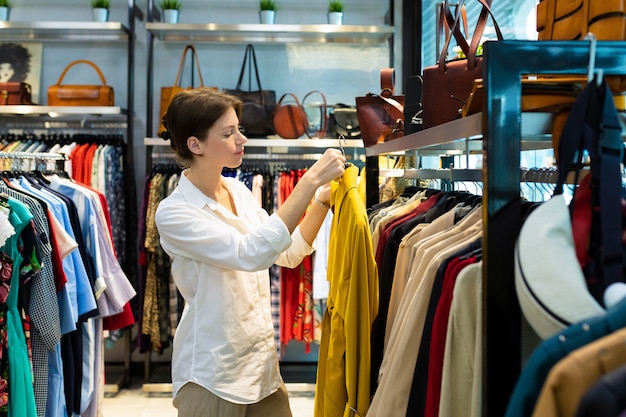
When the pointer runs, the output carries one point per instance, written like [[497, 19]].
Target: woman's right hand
[[331, 165]]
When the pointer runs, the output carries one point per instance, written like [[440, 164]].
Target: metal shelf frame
[[244, 33], [64, 31]]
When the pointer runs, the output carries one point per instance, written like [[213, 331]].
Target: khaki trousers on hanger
[[194, 401]]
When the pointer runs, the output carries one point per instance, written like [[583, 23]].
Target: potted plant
[[267, 11], [5, 8], [335, 12], [171, 10], [100, 10]]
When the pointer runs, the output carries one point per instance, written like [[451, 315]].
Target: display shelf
[[63, 31], [465, 135], [245, 33], [59, 111]]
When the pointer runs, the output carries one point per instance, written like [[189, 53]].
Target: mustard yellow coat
[[343, 375]]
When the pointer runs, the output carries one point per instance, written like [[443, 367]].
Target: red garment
[[438, 336], [423, 207], [60, 279], [296, 293], [120, 320]]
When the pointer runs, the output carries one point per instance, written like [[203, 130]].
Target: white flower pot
[[335, 18], [4, 13], [100, 14], [267, 16], [170, 16]]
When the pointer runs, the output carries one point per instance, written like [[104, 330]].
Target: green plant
[[335, 6], [100, 4], [268, 5], [5, 3], [170, 5]]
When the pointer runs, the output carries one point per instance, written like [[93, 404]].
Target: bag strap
[[82, 61], [324, 112], [593, 125], [252, 65], [182, 64], [388, 88]]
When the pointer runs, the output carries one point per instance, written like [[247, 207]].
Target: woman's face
[[224, 145], [6, 72]]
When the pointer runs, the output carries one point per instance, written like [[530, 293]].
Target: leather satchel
[[15, 92], [167, 93], [258, 105], [291, 121], [81, 94], [448, 84], [381, 116]]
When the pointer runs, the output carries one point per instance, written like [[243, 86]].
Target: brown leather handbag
[[291, 121], [381, 116], [448, 84], [81, 94], [15, 92]]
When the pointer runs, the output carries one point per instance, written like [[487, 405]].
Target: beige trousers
[[194, 401]]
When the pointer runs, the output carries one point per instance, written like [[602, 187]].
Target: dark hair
[[193, 113], [19, 58]]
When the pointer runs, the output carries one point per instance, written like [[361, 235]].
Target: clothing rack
[[500, 126]]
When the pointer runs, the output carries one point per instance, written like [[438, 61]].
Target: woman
[[222, 244]]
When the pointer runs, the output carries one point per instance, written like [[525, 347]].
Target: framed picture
[[22, 62]]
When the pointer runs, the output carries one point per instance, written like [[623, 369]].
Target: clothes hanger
[[592, 71]]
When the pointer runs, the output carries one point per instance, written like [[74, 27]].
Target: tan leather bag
[[167, 93], [81, 94], [573, 19]]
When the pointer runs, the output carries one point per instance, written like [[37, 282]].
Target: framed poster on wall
[[22, 62]]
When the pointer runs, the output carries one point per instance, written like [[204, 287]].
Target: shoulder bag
[[258, 105]]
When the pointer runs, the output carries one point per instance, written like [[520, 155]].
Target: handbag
[[258, 105], [448, 84], [81, 94], [343, 121], [291, 121], [573, 19], [15, 92], [167, 93], [381, 116]]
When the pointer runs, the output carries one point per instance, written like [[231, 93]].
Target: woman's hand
[[331, 165]]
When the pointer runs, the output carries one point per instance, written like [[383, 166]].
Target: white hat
[[549, 281]]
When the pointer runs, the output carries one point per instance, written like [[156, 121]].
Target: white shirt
[[220, 264]]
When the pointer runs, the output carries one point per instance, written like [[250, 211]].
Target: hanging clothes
[[343, 375]]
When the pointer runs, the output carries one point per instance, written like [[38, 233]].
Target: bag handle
[[446, 21], [82, 61], [250, 53], [324, 111], [182, 64], [469, 50]]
